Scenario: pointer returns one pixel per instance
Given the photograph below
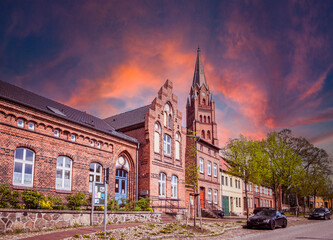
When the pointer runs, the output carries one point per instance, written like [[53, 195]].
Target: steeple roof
[[199, 74]]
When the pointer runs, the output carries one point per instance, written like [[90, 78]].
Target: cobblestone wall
[[12, 220]]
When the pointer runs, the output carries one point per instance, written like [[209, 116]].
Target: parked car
[[268, 218], [320, 213], [219, 213], [258, 209]]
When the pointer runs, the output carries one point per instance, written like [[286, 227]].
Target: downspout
[[137, 173]]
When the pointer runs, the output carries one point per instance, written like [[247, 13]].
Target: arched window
[[177, 146], [202, 134], [208, 118], [200, 118], [169, 121], [167, 145], [95, 174], [167, 115], [23, 167], [208, 134], [204, 101], [174, 186], [162, 185], [157, 136], [204, 118], [64, 173]]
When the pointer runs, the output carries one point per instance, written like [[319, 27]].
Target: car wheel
[[325, 217], [272, 226], [248, 226], [284, 225]]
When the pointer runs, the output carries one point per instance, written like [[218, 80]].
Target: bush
[[144, 203], [113, 205], [32, 199], [137, 209], [56, 202], [75, 201], [149, 209], [8, 197]]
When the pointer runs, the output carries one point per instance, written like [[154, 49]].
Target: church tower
[[200, 107]]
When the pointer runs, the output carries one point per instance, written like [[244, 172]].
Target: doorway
[[202, 197], [121, 185]]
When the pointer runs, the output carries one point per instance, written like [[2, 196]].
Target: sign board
[[99, 194], [143, 192]]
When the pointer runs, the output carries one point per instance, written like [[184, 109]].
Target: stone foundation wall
[[12, 220]]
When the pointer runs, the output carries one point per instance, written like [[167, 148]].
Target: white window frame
[[94, 174], [99, 145], [20, 123], [63, 169], [162, 185], [157, 136], [209, 168], [209, 195], [92, 143], [215, 196], [73, 138], [167, 145], [24, 163], [177, 146], [201, 165], [56, 133], [231, 182], [174, 186], [31, 126]]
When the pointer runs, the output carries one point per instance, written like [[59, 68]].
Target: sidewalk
[[80, 231]]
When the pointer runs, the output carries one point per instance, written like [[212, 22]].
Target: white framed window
[[174, 186], [157, 132], [209, 195], [95, 174], [162, 185], [64, 173], [222, 180], [31, 126], [209, 168], [177, 146], [20, 123], [92, 143], [215, 196], [98, 145], [56, 133], [73, 137], [201, 165], [167, 115], [230, 182], [23, 167], [167, 145], [226, 181], [200, 147]]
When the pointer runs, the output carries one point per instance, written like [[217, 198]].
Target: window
[[208, 119], [169, 121], [200, 118], [230, 182], [95, 174], [222, 180], [64, 173], [240, 203], [208, 151], [200, 147], [162, 185], [167, 115], [251, 202], [98, 145], [20, 123], [174, 187], [177, 146], [209, 168], [31, 126], [167, 145], [73, 138], [226, 181], [201, 165], [157, 132], [204, 119], [236, 202], [23, 167], [56, 133], [215, 196], [92, 143], [215, 169], [209, 195], [204, 101], [202, 134]]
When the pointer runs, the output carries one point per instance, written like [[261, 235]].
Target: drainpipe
[[137, 173]]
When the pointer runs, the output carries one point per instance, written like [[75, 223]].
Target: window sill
[[63, 191], [21, 187]]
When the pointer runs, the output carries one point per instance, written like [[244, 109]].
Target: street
[[317, 229]]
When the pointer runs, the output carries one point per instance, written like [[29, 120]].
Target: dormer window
[[73, 138], [31, 126], [20, 123]]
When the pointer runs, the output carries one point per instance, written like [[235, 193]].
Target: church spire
[[199, 74]]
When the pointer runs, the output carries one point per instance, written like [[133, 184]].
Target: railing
[[212, 206], [170, 205]]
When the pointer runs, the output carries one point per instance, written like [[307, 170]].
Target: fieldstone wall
[[12, 220]]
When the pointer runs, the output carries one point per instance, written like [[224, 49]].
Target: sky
[[269, 64]]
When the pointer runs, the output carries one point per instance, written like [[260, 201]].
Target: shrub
[[149, 209], [137, 209], [113, 205], [76, 200], [144, 203], [44, 204], [56, 202], [8, 197], [32, 198]]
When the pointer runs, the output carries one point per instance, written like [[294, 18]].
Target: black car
[[320, 213], [268, 218], [258, 209]]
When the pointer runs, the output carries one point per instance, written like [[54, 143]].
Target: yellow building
[[231, 194]]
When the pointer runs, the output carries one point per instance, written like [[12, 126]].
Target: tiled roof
[[30, 99], [129, 118]]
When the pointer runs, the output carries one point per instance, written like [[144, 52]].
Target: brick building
[[200, 121], [48, 146], [162, 148]]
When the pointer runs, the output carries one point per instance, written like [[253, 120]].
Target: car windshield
[[269, 213], [319, 210]]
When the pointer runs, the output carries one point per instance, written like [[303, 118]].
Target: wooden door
[[202, 197]]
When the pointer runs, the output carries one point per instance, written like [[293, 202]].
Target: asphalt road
[[317, 230]]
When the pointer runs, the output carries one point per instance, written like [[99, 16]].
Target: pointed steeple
[[199, 74]]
